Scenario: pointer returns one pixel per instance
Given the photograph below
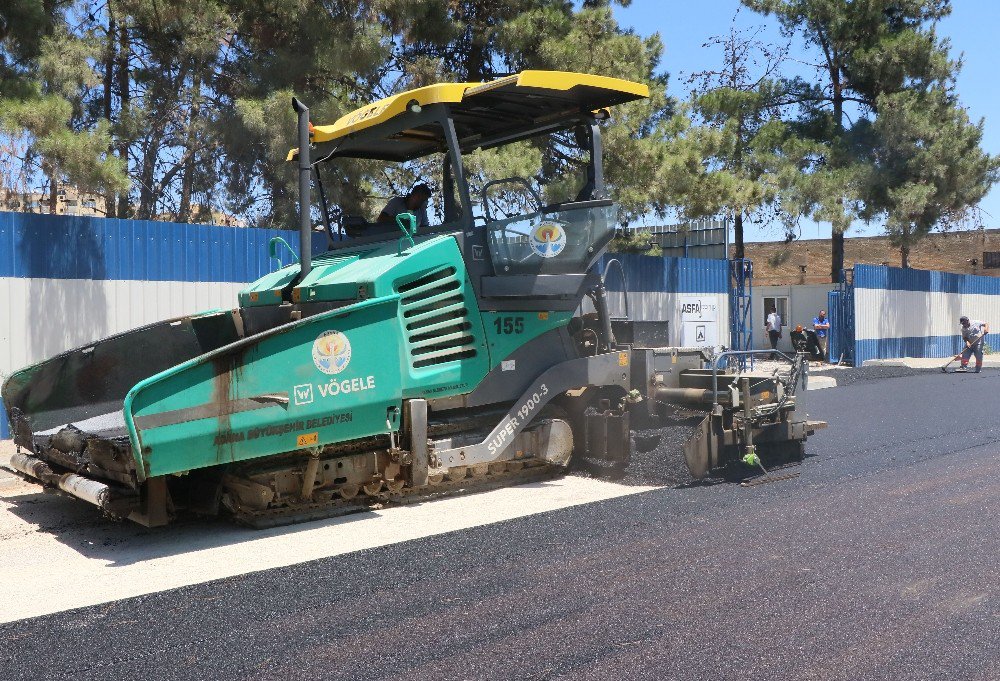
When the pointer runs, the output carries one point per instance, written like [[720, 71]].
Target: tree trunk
[[836, 256], [475, 61], [475, 55], [738, 235], [53, 194], [904, 256], [123, 92], [187, 180], [837, 237], [147, 175], [109, 78]]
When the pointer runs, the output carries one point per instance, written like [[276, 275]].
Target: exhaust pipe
[[305, 200]]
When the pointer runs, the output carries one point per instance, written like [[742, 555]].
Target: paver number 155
[[509, 325]]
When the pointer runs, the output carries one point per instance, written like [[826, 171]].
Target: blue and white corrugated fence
[[66, 281], [914, 313], [664, 289]]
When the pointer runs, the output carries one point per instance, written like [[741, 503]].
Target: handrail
[[737, 353], [272, 249], [407, 233], [621, 270]]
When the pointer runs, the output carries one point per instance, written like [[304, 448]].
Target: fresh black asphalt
[[878, 562]]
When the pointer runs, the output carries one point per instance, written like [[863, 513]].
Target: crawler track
[[335, 507]]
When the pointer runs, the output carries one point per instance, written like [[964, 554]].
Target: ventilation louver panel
[[436, 319]]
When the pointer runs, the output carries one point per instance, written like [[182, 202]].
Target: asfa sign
[[697, 309], [699, 321]]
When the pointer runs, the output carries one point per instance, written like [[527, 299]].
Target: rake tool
[[945, 367]]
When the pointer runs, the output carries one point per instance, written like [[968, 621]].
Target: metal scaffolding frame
[[844, 327], [741, 309]]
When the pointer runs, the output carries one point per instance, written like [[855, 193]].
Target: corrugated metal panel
[[670, 275], [914, 313], [99, 276], [702, 276], [833, 314], [910, 346], [656, 284], [898, 279], [71, 247]]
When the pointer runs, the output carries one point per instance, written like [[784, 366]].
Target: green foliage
[[739, 162], [635, 241], [50, 110], [23, 25], [180, 109], [928, 168], [891, 143], [779, 257], [591, 41]]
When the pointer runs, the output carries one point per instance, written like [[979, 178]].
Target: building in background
[[206, 216], [69, 201], [707, 238]]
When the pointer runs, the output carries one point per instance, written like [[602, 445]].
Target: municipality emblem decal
[[548, 240], [331, 352]]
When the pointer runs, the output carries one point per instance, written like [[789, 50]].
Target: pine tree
[[741, 135], [554, 36], [928, 168], [47, 83], [866, 50]]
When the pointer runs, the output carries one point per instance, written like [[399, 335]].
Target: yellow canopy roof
[[482, 108]]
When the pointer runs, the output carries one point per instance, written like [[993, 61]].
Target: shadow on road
[[84, 529]]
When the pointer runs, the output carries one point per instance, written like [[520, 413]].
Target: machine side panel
[[507, 332], [510, 378], [439, 327]]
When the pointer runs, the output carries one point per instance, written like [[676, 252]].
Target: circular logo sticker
[[331, 352], [548, 240]]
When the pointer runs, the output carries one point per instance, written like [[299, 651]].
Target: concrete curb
[[821, 382], [989, 362]]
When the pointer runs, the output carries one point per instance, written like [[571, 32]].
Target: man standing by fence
[[822, 327], [973, 333], [773, 326]]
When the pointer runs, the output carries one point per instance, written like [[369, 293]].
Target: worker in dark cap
[[973, 332], [415, 202]]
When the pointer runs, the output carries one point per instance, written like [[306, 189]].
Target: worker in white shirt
[[773, 326]]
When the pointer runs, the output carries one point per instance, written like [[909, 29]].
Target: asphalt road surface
[[878, 562]]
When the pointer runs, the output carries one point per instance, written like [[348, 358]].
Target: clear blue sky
[[973, 28]]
